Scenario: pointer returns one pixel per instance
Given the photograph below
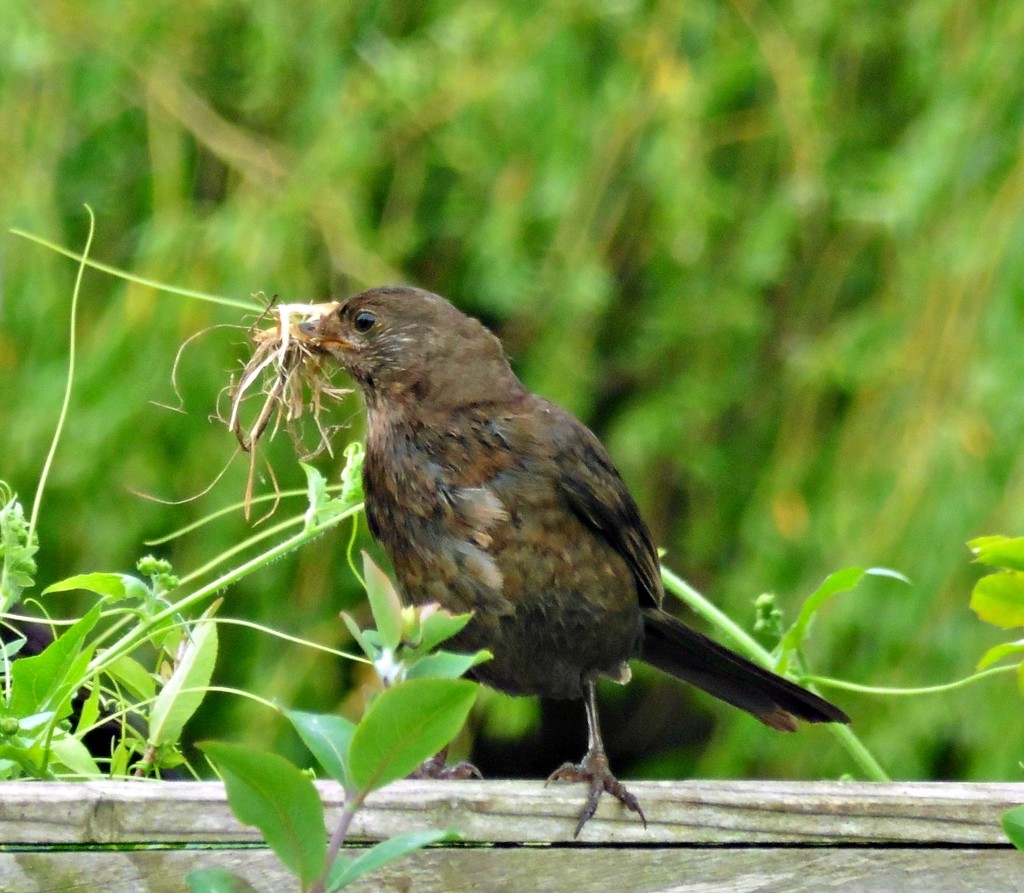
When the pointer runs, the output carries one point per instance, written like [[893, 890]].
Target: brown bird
[[491, 499]]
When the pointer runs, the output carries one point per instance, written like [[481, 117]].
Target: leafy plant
[[754, 244], [135, 659], [86, 661], [788, 658], [97, 658], [100, 658], [422, 707], [18, 546], [998, 598], [1013, 825], [151, 706]]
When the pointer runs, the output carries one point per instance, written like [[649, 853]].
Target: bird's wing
[[597, 495]]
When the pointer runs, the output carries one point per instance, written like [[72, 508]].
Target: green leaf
[[170, 639], [129, 673], [18, 545], [316, 493], [360, 636], [888, 572], [123, 752], [835, 583], [328, 737], [21, 756], [384, 603], [322, 507], [405, 725], [69, 752], [46, 681], [439, 626], [267, 791], [10, 649], [352, 474], [183, 692], [445, 665], [999, 599], [112, 586], [167, 758], [217, 880], [90, 711], [997, 652], [35, 721], [999, 551], [1013, 824], [345, 872]]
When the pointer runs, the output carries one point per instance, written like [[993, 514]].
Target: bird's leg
[[437, 767], [594, 770]]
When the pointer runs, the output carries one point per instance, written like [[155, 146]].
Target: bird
[[490, 499]]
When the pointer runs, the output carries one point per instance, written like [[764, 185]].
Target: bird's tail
[[682, 652]]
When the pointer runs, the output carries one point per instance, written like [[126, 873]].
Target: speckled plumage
[[492, 499], [484, 526]]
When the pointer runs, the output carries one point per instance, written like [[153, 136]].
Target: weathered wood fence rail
[[121, 837]]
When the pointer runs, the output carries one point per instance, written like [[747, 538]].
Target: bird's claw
[[593, 770], [436, 768]]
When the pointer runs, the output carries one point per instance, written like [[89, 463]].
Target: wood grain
[[702, 836], [678, 812], [550, 870]]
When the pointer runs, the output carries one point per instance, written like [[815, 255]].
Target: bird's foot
[[436, 767], [594, 771]]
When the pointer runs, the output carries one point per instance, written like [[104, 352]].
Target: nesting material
[[289, 375]]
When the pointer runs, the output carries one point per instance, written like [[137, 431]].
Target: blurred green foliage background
[[771, 253]]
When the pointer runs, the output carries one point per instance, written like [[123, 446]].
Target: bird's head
[[405, 344]]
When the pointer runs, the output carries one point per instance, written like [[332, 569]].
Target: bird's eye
[[364, 321]]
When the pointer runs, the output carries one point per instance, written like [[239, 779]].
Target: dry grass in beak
[[291, 377]]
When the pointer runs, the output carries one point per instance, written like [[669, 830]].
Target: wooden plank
[[684, 812], [592, 869]]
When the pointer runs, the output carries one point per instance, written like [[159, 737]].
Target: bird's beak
[[311, 330]]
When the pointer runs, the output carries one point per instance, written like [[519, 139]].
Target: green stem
[[842, 684], [110, 631], [296, 640], [266, 533], [227, 510], [863, 757], [350, 551], [348, 811], [754, 650], [44, 474], [715, 616], [131, 640], [121, 274]]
